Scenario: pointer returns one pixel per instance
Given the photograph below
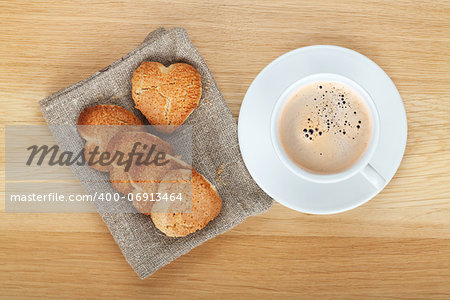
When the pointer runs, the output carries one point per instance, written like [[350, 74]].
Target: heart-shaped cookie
[[166, 95], [201, 203], [98, 124]]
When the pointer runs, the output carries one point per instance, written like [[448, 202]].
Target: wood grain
[[395, 246]]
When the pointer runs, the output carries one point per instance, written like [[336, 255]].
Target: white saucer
[[255, 135]]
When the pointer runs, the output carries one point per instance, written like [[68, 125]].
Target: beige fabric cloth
[[214, 145]]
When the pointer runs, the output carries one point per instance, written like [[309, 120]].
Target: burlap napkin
[[214, 145]]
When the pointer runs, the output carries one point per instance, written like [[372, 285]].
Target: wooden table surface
[[395, 246]]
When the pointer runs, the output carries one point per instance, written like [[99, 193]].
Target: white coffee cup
[[362, 166]]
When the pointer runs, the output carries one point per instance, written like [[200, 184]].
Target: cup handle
[[373, 177]]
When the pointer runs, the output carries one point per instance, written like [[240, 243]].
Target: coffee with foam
[[325, 127]]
